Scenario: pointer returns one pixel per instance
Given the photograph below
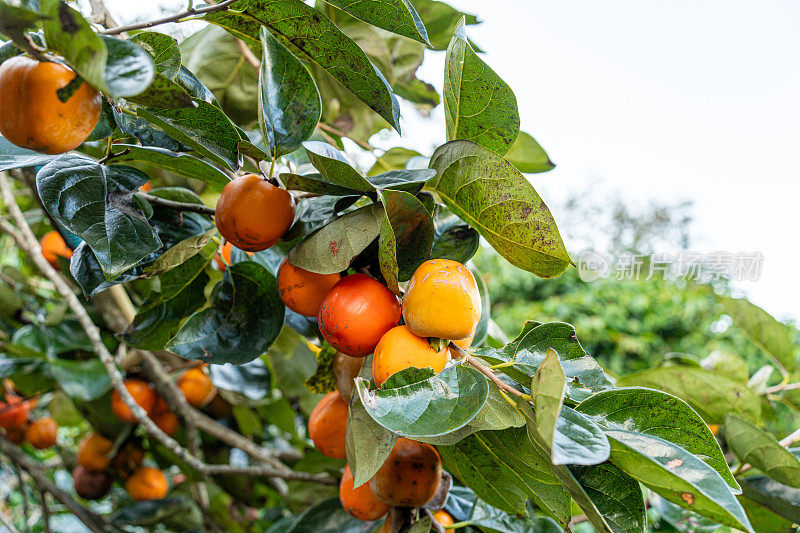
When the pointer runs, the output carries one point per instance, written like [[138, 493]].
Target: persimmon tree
[[198, 285]]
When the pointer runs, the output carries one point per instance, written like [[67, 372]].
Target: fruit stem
[[272, 168]]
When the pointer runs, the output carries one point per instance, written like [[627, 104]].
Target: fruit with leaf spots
[[360, 502], [253, 214], [53, 247], [346, 370], [142, 393], [400, 349], [327, 426], [147, 483], [442, 300], [410, 476], [89, 484], [93, 452], [14, 413], [303, 291], [356, 313], [42, 433], [31, 114], [197, 387]]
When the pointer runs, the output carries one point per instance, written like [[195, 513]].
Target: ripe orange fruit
[[399, 349], [360, 503], [42, 433], [253, 214], [147, 483], [225, 253], [91, 485], [93, 452], [346, 370], [410, 475], [303, 291], [141, 391], [197, 387], [53, 246], [14, 413], [444, 519], [442, 300], [32, 116], [356, 313], [327, 426], [167, 422]]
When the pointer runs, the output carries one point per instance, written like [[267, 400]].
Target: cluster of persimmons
[[15, 419]]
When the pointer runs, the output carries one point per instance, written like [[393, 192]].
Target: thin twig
[[45, 511], [192, 11], [336, 131], [781, 388], [177, 206], [25, 507], [248, 54], [101, 15]]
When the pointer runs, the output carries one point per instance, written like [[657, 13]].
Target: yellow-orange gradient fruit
[[327, 426], [93, 452], [14, 413], [253, 214], [410, 475], [356, 313], [345, 370], [400, 349], [42, 433], [197, 387], [360, 503], [147, 483], [442, 300], [53, 246], [303, 291], [32, 116], [444, 519], [91, 485], [142, 393]]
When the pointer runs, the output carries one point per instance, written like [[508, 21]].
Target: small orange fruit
[[224, 253], [346, 370], [253, 214], [42, 433], [142, 393], [327, 426], [32, 116], [147, 483], [53, 246], [91, 485], [444, 519], [442, 300], [356, 313], [197, 387], [360, 503], [400, 349], [14, 413], [93, 452], [410, 476], [303, 291], [167, 422]]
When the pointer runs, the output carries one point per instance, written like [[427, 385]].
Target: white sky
[[661, 100]]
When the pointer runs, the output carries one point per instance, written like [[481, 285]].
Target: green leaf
[[244, 317], [335, 168], [251, 380], [204, 128], [661, 415], [710, 394], [488, 193], [452, 239], [505, 469], [465, 507], [129, 69], [528, 156], [441, 20], [479, 106], [292, 362], [578, 440], [183, 251], [163, 93], [772, 336], [311, 36], [677, 475], [396, 16], [163, 49], [84, 380], [95, 202], [547, 390], [323, 381], [616, 495], [780, 499], [12, 156], [14, 20], [393, 159], [416, 405], [182, 164], [763, 519], [406, 237], [332, 248], [753, 445], [289, 103], [727, 364], [327, 516]]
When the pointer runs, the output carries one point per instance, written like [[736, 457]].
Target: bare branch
[[177, 17], [100, 14], [248, 54], [177, 206]]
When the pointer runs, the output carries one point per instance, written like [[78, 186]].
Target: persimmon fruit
[[32, 116], [53, 247], [356, 313], [142, 393], [442, 300], [360, 502], [327, 426], [91, 485], [127, 460], [410, 476], [223, 258], [167, 422], [346, 370], [147, 483], [93, 452], [445, 520], [42, 433], [14, 413], [303, 291], [399, 349], [197, 387], [253, 214]]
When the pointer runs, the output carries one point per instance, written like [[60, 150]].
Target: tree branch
[[177, 206], [248, 54], [192, 11], [486, 371]]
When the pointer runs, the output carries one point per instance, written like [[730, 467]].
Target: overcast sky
[[661, 100]]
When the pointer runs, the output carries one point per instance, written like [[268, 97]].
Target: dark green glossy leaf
[[84, 380], [332, 248], [773, 337], [129, 69], [163, 93], [420, 407], [479, 106], [783, 500], [317, 184], [396, 16], [615, 494], [488, 193], [710, 394], [289, 103], [163, 49], [578, 440], [680, 518], [464, 506], [251, 380], [528, 156], [327, 516], [411, 181], [452, 238], [12, 156], [95, 202], [334, 166], [311, 36], [244, 317], [755, 446], [406, 236], [312, 214], [547, 389], [660, 415], [106, 124]]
